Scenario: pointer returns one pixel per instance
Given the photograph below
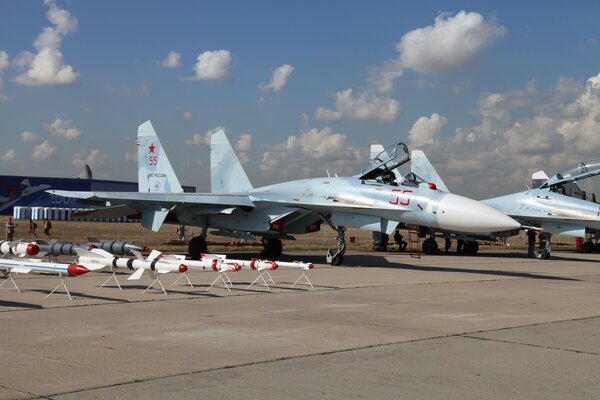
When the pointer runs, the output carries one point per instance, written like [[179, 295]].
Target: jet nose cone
[[457, 213]]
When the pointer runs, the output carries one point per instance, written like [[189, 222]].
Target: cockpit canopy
[[383, 164], [574, 173], [412, 179]]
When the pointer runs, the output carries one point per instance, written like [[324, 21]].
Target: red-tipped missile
[[182, 268], [76, 269], [263, 265], [19, 248]]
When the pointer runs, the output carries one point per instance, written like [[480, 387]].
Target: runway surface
[[385, 326]]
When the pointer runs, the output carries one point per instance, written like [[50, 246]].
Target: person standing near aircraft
[[32, 228], [10, 229], [398, 239], [47, 227], [531, 243], [181, 233]]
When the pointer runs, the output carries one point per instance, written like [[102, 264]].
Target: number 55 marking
[[396, 197]]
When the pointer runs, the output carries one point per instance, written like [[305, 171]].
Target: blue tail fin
[[226, 172]]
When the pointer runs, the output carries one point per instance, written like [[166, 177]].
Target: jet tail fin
[[226, 172], [155, 173], [421, 166]]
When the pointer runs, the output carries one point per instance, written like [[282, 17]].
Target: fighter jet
[[543, 208], [235, 208]]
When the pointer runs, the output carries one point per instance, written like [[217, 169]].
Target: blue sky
[[491, 91]]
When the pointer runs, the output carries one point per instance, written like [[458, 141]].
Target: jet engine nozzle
[[457, 213]]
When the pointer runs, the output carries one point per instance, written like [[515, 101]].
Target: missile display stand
[[306, 282], [261, 276], [61, 284], [224, 279], [9, 278], [157, 280], [183, 275], [112, 276]]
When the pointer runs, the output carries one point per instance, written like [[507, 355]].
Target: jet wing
[[165, 199]]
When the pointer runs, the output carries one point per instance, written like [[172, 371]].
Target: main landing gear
[[336, 257], [545, 247], [196, 247], [272, 248]]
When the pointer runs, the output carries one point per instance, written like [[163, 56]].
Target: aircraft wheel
[[543, 255], [472, 247], [588, 247], [337, 260], [430, 246], [197, 246], [273, 249]]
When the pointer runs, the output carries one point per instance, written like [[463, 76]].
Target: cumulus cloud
[[519, 132], [450, 43], [426, 129], [43, 151], [310, 153], [47, 66], [278, 80], [172, 60], [94, 158], [242, 147], [10, 155], [29, 137], [212, 65], [188, 115], [203, 139], [363, 106], [62, 128]]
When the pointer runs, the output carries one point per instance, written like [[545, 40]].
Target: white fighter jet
[[235, 208]]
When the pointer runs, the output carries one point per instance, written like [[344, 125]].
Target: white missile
[[18, 248], [25, 266], [296, 264]]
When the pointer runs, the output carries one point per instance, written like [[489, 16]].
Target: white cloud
[[172, 60], [242, 147], [381, 79], [94, 158], [29, 137], [450, 43], [363, 106], [426, 129], [10, 155], [62, 128], [48, 67], [213, 65], [310, 153], [203, 139], [188, 115], [325, 114], [278, 80], [43, 151]]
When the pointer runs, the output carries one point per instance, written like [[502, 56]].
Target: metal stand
[[157, 280], [188, 282], [307, 283], [113, 276], [62, 283], [224, 280], [10, 278], [261, 276]]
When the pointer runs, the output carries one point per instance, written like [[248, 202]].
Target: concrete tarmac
[[383, 326]]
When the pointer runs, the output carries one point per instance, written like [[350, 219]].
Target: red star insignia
[[152, 147]]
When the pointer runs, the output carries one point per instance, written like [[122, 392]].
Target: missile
[[18, 248], [25, 266], [98, 259], [117, 246], [254, 264], [215, 262], [296, 264], [56, 248]]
